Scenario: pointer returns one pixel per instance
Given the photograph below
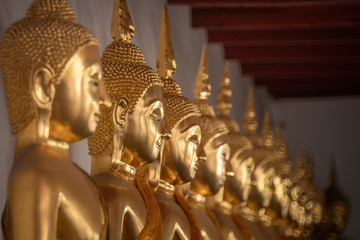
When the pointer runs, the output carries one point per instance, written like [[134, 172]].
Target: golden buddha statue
[[268, 160], [280, 205], [210, 176], [312, 200], [297, 213], [336, 210], [53, 85], [237, 188], [261, 193], [178, 159], [129, 135], [264, 173]]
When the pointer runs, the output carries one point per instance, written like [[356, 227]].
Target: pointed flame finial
[[266, 132], [250, 124], [281, 145], [202, 88], [122, 27], [223, 102], [165, 60]]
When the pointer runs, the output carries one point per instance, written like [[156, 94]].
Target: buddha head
[[179, 161], [210, 176], [337, 205], [237, 187], [52, 73], [282, 179], [264, 173], [297, 192], [336, 208], [134, 126]]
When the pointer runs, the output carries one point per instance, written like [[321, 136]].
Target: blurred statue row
[[163, 166]]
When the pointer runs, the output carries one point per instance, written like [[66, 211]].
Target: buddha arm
[[32, 207]]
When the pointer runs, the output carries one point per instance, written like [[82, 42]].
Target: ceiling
[[294, 48]]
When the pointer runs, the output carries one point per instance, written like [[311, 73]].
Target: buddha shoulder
[[116, 188]]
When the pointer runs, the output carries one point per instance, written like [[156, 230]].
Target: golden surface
[[336, 210], [165, 59], [237, 188], [260, 196], [210, 177], [178, 161], [207, 227], [129, 135], [49, 197], [202, 88]]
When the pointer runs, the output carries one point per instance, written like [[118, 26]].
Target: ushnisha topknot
[[210, 125], [177, 107], [47, 35], [223, 102], [237, 142], [250, 124], [125, 74]]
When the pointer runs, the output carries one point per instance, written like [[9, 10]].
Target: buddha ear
[[120, 111], [42, 88], [42, 85]]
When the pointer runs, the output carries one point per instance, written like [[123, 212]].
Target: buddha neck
[[102, 163], [132, 158], [246, 212], [168, 173], [265, 219], [225, 207], [28, 137], [196, 200], [217, 202], [165, 188], [125, 171]]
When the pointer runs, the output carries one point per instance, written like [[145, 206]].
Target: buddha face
[[243, 166], [211, 174], [337, 214], [76, 105], [145, 126], [183, 145], [282, 190], [265, 183], [317, 212]]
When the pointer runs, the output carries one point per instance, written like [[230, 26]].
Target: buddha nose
[[166, 132], [201, 156], [229, 172], [104, 96]]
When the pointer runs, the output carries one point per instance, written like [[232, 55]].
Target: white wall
[[318, 125]]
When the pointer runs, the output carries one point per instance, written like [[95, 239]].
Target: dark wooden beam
[[299, 82], [310, 87], [293, 53], [282, 17], [314, 93], [310, 69], [273, 35], [222, 3]]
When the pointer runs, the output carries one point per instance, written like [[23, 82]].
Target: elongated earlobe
[[42, 87], [120, 112]]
